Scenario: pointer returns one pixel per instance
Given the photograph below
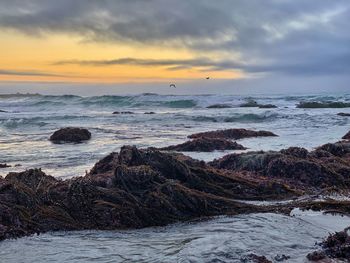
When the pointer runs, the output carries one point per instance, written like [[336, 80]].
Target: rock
[[320, 105], [335, 246], [219, 106], [280, 258], [343, 114], [130, 189], [325, 167], [150, 112], [3, 111], [70, 134], [4, 165], [316, 256], [205, 145], [235, 134], [256, 259], [346, 136], [123, 112], [249, 103], [253, 104], [267, 106]]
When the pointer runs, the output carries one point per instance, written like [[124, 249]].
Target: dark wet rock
[[249, 103], [205, 145], [70, 134], [343, 114], [130, 189], [335, 246], [346, 136], [341, 149], [267, 106], [320, 105], [327, 166], [123, 112], [3, 111], [150, 112], [316, 256], [4, 165], [235, 134], [219, 106], [280, 258], [254, 104], [256, 259]]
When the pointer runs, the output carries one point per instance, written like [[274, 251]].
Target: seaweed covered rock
[[322, 105], [324, 167], [130, 189], [70, 134], [205, 145], [346, 136], [335, 246], [232, 134]]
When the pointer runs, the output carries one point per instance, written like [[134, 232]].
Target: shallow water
[[26, 127], [223, 239]]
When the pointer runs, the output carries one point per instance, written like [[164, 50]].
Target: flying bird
[[172, 85]]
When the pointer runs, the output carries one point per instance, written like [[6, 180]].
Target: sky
[[132, 46]]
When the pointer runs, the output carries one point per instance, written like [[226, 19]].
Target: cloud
[[29, 73], [294, 37]]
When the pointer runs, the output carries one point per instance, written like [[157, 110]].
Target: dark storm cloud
[[275, 36]]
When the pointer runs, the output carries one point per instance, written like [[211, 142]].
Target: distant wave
[[152, 100], [250, 117]]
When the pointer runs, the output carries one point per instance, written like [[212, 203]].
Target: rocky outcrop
[[254, 104], [123, 112], [343, 114], [346, 136], [327, 166], [130, 189], [234, 134], [320, 105], [335, 246], [205, 145], [219, 106], [4, 165], [70, 134], [267, 106]]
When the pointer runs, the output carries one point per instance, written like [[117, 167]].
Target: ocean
[[29, 121]]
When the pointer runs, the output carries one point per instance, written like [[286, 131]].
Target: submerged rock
[[267, 106], [4, 165], [70, 134], [235, 134], [150, 112], [256, 259], [249, 103], [219, 106], [320, 105], [343, 114], [205, 145], [123, 112]]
